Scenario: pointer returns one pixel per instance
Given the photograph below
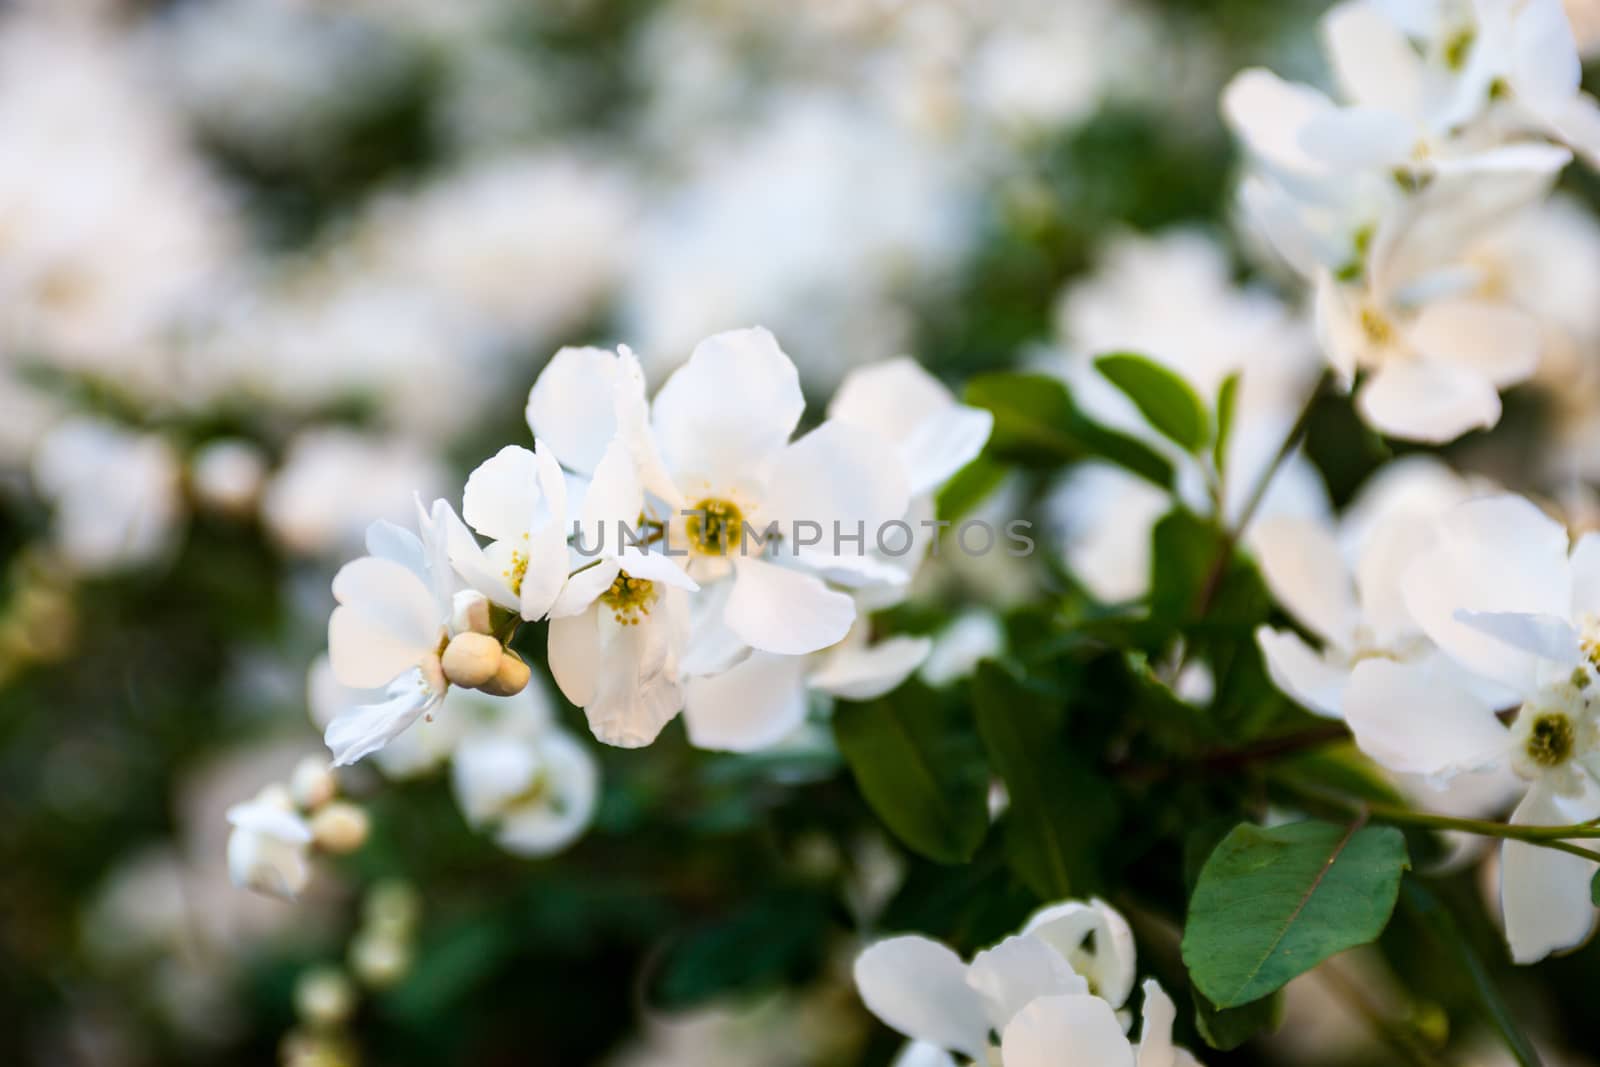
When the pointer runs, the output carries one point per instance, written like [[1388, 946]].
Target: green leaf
[[1272, 904], [1594, 889], [1060, 808], [1165, 399], [1227, 405], [1184, 554], [1227, 1029], [920, 768], [1036, 424], [1438, 921]]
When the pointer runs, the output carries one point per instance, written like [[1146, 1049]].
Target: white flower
[[333, 483], [1081, 1031], [1345, 586], [269, 846], [935, 435], [1052, 992], [117, 493], [517, 499], [526, 780], [719, 463], [1499, 593], [1437, 368], [423, 747], [391, 625]]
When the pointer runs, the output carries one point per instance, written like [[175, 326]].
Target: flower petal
[[1495, 554], [570, 406], [1500, 343], [776, 609], [501, 494], [1374, 63], [919, 987], [867, 672], [1304, 568], [750, 706], [1416, 719], [561, 816], [1428, 400], [725, 414], [1586, 576], [1545, 68], [1155, 1048], [574, 654], [1355, 138], [1544, 893], [639, 689], [1017, 971], [1267, 113], [1303, 674], [1095, 940], [1067, 1031], [843, 478], [934, 435], [360, 731], [1545, 636]]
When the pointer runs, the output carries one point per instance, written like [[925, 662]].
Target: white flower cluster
[[643, 531], [1440, 607], [1452, 117], [1055, 995]]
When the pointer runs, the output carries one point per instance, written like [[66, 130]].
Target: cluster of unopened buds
[[274, 833], [326, 997]]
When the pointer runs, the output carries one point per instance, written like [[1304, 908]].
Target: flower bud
[[340, 827], [470, 613], [511, 678], [471, 659], [379, 959], [324, 996], [312, 784], [392, 906]]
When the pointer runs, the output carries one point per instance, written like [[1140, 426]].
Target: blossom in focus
[[390, 629]]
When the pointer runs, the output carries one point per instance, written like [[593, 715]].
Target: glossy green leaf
[[1273, 903], [1165, 400], [1227, 407], [1228, 1028], [920, 768], [1037, 424]]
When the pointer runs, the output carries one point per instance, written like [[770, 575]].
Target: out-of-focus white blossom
[[268, 850], [110, 229], [117, 493], [333, 483]]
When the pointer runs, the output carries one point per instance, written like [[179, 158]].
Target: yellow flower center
[[1551, 739], [714, 526], [629, 598], [1377, 328], [517, 571]]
